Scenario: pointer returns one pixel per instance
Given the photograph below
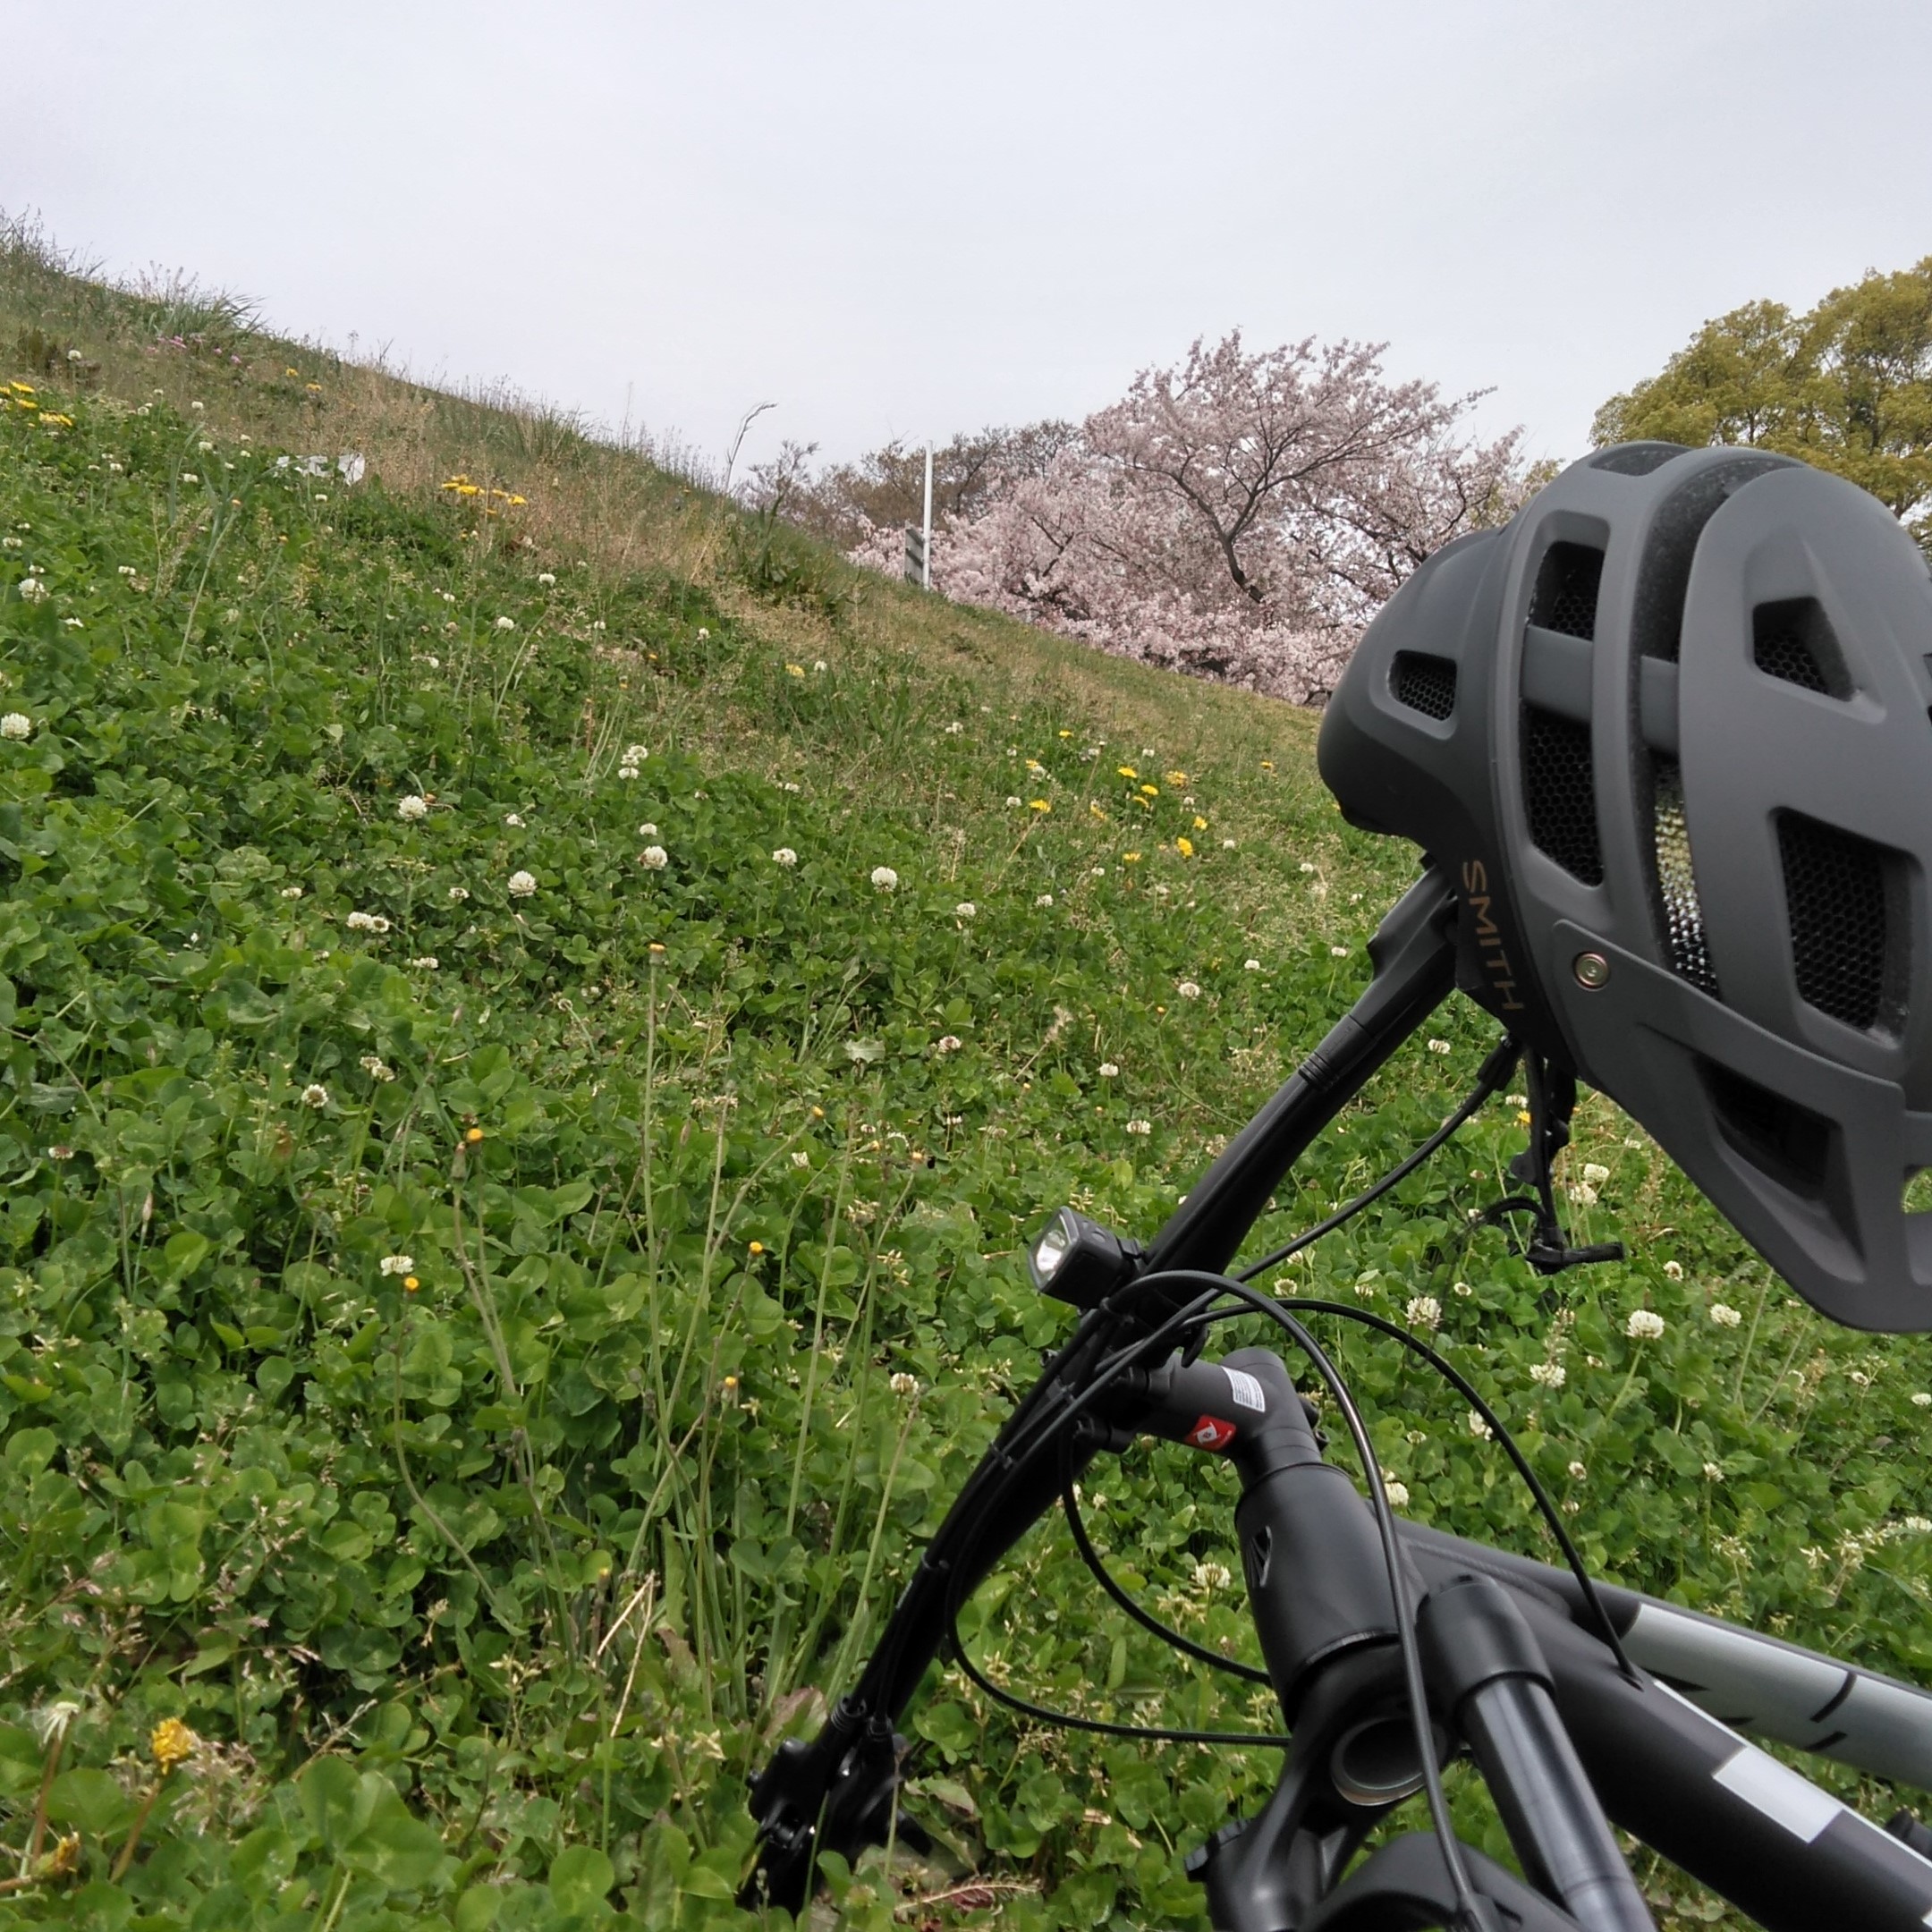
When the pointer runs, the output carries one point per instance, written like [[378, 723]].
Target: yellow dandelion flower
[[1185, 847], [1522, 1117], [314, 388], [1177, 777], [172, 1743], [1150, 791], [21, 388], [296, 373], [1201, 824], [1127, 771], [794, 670], [1267, 764], [1033, 764], [1066, 734], [1093, 805], [758, 1248], [516, 503], [1129, 858], [411, 1284], [474, 1135], [1040, 804]]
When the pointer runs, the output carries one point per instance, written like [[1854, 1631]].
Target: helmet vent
[[1841, 894], [1423, 683], [1792, 640], [1789, 1142], [1676, 884], [1636, 459], [1560, 791], [1565, 598], [1663, 577]]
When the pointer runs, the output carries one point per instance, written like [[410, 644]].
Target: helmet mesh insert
[[1560, 792], [1565, 596], [1684, 915], [1637, 459], [1794, 641], [1423, 683], [1835, 896]]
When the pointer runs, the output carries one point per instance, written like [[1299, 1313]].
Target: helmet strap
[[1552, 1093]]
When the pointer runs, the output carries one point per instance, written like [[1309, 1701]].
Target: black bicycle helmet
[[1668, 733]]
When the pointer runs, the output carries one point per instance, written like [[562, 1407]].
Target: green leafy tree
[[1847, 386]]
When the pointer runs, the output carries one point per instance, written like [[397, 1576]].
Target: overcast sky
[[903, 220]]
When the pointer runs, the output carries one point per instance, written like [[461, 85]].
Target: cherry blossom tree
[[1240, 517]]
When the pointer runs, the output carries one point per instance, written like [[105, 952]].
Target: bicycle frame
[[1562, 1736]]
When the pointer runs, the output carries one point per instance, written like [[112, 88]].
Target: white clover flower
[[1187, 989], [1576, 1471], [367, 922], [513, 821], [1307, 865], [903, 1384], [206, 448], [1252, 965], [377, 1067], [949, 1043], [654, 858], [1595, 1173], [1922, 1400], [1462, 1289], [1724, 1315], [1397, 1494], [1425, 1311], [1014, 800], [16, 725], [428, 961], [1673, 1271], [1479, 1428], [1438, 1046], [506, 623], [627, 772], [635, 754], [397, 1264], [32, 590], [458, 893], [702, 633], [1140, 1127], [1108, 1070], [1551, 1375], [315, 1094], [1644, 1324], [1044, 898], [1227, 844], [784, 856], [412, 807], [1714, 1472], [1335, 952], [546, 578], [196, 407], [647, 830], [955, 729], [802, 1158], [1583, 1193], [522, 884], [884, 878], [966, 910], [789, 786], [820, 667], [188, 476], [1211, 1576], [292, 891]]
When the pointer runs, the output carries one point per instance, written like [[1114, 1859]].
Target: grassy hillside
[[511, 1230]]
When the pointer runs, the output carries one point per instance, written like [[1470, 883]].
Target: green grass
[[483, 1596]]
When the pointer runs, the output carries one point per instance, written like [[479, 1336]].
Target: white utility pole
[[925, 543]]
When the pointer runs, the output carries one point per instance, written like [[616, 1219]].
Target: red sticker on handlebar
[[1212, 1434]]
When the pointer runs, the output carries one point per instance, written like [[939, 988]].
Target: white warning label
[[1245, 1389]]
